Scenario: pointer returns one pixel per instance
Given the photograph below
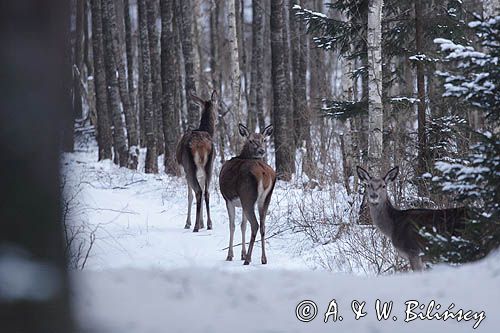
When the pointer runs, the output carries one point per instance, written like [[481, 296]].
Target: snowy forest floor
[[146, 273]]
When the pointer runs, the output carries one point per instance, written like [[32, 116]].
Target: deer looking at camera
[[245, 181], [402, 226], [195, 153]]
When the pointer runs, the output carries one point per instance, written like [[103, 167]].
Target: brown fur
[[248, 181], [195, 153]]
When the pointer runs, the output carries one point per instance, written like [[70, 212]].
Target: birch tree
[[235, 65], [375, 111], [114, 102], [130, 118]]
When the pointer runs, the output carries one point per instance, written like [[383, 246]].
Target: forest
[[369, 83], [360, 138]]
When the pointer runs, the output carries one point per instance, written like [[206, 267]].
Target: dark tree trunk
[[104, 140], [282, 143], [78, 59], [89, 64], [35, 103], [114, 46], [119, 141], [154, 52], [151, 154], [183, 10], [168, 63], [216, 72], [422, 141], [256, 109], [129, 47]]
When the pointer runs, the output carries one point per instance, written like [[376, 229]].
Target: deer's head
[[255, 146], [376, 188]]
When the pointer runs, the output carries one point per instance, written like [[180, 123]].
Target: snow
[[146, 273]]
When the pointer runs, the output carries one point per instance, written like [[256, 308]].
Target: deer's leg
[[207, 204], [243, 232], [208, 178], [254, 225], [231, 213], [262, 215], [190, 204], [199, 199], [416, 263]]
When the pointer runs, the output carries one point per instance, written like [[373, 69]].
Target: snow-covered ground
[[146, 273]]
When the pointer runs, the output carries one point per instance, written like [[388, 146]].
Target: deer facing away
[[402, 226], [246, 181], [195, 153]]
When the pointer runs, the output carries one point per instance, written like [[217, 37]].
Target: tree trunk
[[235, 78], [129, 47], [149, 126], [170, 128], [36, 100], [103, 123], [256, 109], [284, 161], [119, 140], [154, 52], [78, 59], [185, 20], [89, 65], [114, 45], [375, 111], [422, 141]]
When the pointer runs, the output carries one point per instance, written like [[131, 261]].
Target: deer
[[247, 181], [402, 226], [195, 155]]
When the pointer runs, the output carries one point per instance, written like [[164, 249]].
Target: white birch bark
[[375, 112], [235, 65]]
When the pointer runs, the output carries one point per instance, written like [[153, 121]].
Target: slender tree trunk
[[89, 65], [235, 79], [185, 20], [375, 111], [154, 52], [170, 128], [216, 72], [129, 49], [256, 109], [282, 142], [149, 126], [104, 140], [78, 63], [114, 48], [422, 141], [119, 140]]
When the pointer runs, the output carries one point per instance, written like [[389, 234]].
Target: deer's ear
[[243, 130], [268, 131], [391, 175], [363, 175], [215, 97], [196, 99]]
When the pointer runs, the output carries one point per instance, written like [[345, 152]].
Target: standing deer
[[246, 180], [195, 153], [402, 226]]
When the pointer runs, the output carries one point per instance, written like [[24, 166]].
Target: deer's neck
[[207, 122], [383, 217], [245, 153]]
